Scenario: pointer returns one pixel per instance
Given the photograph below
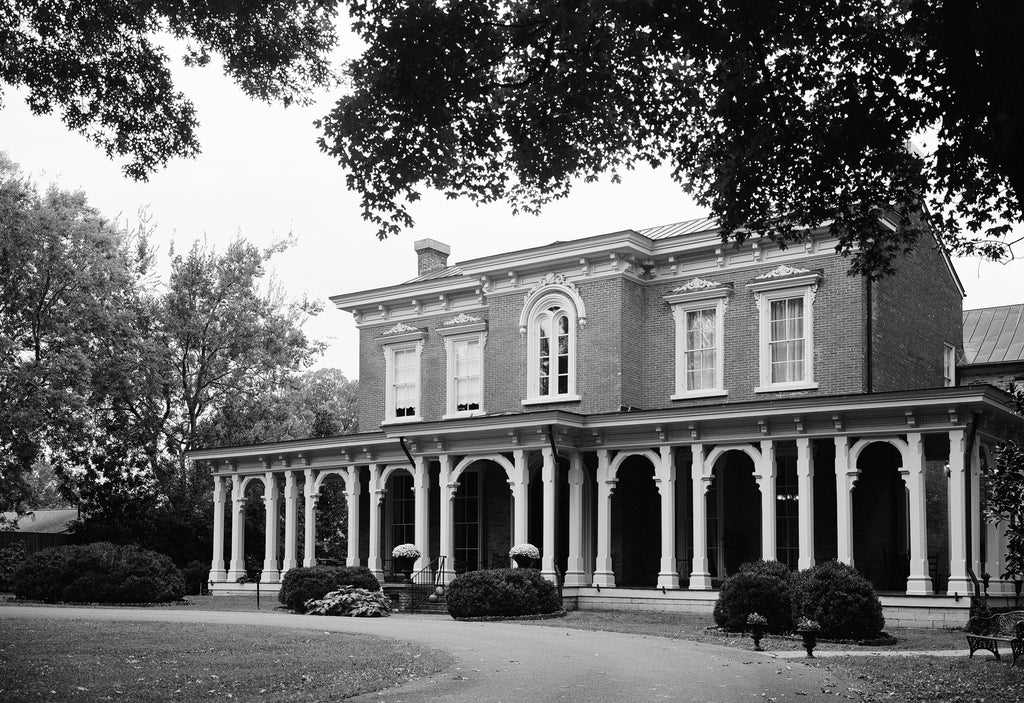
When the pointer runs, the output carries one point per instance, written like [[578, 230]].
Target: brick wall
[[998, 375], [913, 314]]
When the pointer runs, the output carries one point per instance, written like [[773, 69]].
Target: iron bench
[[987, 633]]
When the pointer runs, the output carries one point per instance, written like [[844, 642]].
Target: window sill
[[692, 395], [548, 399], [779, 387], [401, 421], [463, 414]]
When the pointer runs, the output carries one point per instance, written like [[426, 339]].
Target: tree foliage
[[1006, 493], [778, 115], [103, 66]]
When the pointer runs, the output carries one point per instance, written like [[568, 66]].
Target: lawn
[[103, 661]]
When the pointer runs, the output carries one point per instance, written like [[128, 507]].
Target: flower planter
[[756, 634], [523, 562], [810, 640], [403, 567]]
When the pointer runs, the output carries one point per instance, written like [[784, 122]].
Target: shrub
[[314, 582], [842, 601], [354, 602], [11, 558], [98, 573], [760, 586], [502, 592], [195, 574]]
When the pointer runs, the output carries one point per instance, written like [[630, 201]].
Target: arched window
[[550, 319]]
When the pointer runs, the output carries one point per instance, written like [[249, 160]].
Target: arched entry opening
[[331, 521], [880, 526], [399, 515], [535, 521], [733, 514], [636, 523], [254, 539], [481, 517]]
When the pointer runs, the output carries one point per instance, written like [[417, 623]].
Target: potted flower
[[808, 630], [757, 623], [524, 555], [404, 555]]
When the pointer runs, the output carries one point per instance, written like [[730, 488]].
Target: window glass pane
[[699, 357], [786, 343]]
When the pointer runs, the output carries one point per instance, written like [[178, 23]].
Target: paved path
[[508, 662]]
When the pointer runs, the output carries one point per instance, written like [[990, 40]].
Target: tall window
[[699, 309], [402, 381], [403, 509], [786, 342], [553, 354], [550, 320], [787, 520], [948, 365], [464, 347], [466, 522]]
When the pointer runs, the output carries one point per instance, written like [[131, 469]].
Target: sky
[[261, 175]]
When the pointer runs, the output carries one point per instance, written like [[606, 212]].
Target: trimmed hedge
[[501, 592], [759, 586], [98, 573], [842, 601], [314, 582]]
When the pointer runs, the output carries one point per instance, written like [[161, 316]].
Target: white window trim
[[413, 341], [475, 332], [531, 316], [699, 295], [948, 360], [794, 283]]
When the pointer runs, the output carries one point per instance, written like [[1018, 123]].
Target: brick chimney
[[432, 254]]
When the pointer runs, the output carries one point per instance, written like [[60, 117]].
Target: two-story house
[[651, 409]]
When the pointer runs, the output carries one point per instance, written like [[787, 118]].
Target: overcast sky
[[261, 175]]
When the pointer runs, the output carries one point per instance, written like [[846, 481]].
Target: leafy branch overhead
[[778, 115]]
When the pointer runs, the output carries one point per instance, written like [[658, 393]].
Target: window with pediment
[[698, 308], [403, 347], [551, 316], [464, 340], [785, 302]]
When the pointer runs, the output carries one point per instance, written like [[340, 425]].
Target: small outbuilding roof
[[994, 335], [49, 522]]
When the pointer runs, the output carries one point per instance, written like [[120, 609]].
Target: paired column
[[217, 571], [448, 486], [352, 491], [665, 480], [237, 568], [272, 504], [919, 583], [309, 542], [974, 519], [291, 522], [520, 484], [576, 572], [548, 474], [700, 577], [377, 494], [604, 575], [766, 482], [805, 502], [846, 476], [421, 528], [957, 484]]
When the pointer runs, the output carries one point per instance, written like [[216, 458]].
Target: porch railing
[[425, 582]]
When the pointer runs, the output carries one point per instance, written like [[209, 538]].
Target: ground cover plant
[[351, 601], [98, 573], [184, 662], [313, 582], [501, 593]]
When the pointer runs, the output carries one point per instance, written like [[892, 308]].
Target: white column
[[520, 484], [291, 522], [237, 568], [272, 503], [421, 490], [352, 492], [604, 575], [976, 524], [846, 475], [957, 484], [549, 479], [919, 582], [700, 577], [376, 504], [575, 574], [766, 482], [448, 486], [217, 571], [309, 542], [805, 502], [665, 480]]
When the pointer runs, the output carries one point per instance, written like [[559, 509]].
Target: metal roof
[[676, 229], [437, 273], [994, 335]]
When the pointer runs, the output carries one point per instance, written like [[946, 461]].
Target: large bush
[[842, 601], [11, 557], [760, 586], [98, 573], [314, 582], [502, 592]]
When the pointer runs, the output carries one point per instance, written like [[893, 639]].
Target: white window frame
[[404, 341], [948, 365], [697, 295], [782, 284], [535, 312], [476, 332]]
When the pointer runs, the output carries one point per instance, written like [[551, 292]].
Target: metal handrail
[[425, 582]]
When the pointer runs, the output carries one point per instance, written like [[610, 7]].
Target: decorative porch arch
[[709, 463], [322, 475], [467, 461], [620, 458], [860, 445]]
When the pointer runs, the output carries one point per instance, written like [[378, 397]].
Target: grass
[[102, 661]]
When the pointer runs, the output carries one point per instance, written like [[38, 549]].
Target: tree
[[103, 66], [779, 115], [1006, 493]]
